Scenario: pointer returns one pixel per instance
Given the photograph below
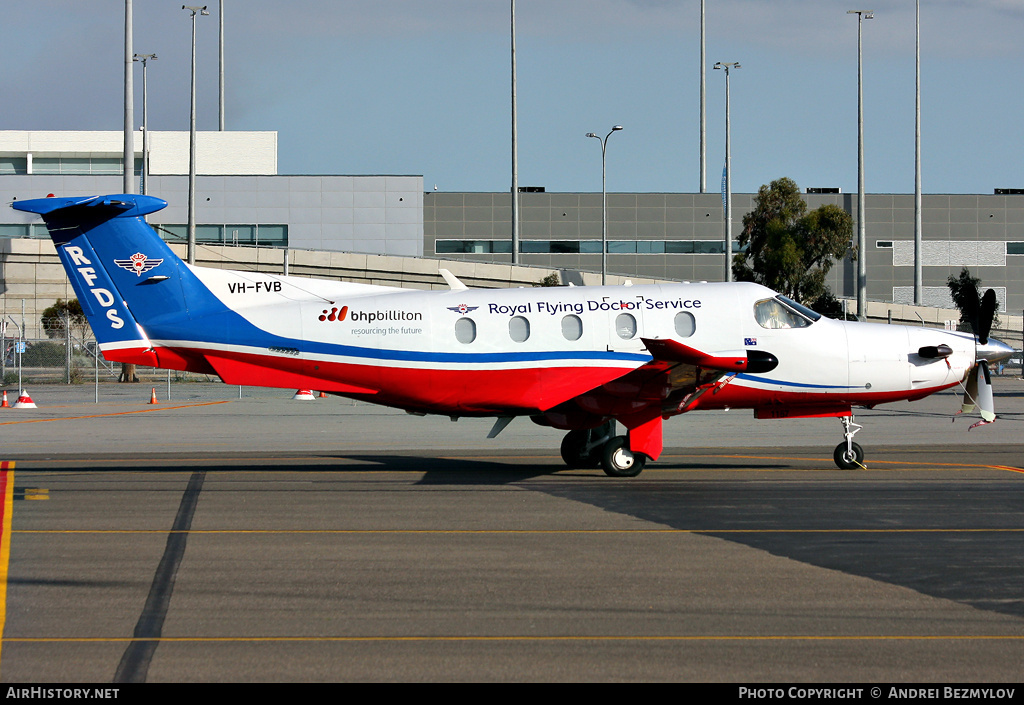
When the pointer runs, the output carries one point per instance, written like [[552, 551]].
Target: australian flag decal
[[750, 341]]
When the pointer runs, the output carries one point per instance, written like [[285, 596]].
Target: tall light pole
[[143, 58], [129, 103], [192, 141], [918, 236], [604, 202], [220, 52], [862, 268], [515, 150], [728, 169], [703, 108]]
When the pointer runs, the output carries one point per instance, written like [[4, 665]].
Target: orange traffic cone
[[323, 395], [5, 405], [152, 398]]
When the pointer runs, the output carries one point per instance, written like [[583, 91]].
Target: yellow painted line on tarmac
[[521, 638], [7, 489], [116, 413], [447, 532]]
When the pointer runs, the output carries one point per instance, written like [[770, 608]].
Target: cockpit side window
[[780, 312]]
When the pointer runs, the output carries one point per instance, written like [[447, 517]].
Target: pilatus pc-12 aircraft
[[579, 359]]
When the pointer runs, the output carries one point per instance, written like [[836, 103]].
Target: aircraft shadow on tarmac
[[875, 530], [959, 541]]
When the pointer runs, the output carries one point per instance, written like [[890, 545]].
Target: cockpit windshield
[[783, 312]]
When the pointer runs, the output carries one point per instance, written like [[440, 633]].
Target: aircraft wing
[[672, 381]]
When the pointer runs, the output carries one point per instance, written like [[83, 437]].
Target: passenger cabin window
[[465, 330], [519, 329], [625, 326], [686, 325], [782, 312], [572, 327]]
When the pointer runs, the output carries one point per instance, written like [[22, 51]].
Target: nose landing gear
[[849, 455]]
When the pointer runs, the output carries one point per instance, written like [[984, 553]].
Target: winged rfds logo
[[138, 263], [463, 308]]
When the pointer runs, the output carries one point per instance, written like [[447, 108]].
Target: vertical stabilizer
[[127, 279]]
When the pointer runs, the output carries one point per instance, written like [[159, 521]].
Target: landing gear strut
[[584, 448], [849, 455], [599, 447]]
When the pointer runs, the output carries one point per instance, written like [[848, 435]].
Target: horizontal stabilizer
[[130, 205]]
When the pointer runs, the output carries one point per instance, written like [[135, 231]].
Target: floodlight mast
[[604, 202]]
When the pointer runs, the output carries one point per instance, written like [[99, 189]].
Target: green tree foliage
[[56, 318], [966, 293], [790, 249]]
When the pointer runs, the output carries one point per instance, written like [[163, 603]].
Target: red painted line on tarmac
[[7, 493]]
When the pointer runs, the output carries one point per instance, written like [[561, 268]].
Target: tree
[[965, 291], [56, 318], [790, 249]]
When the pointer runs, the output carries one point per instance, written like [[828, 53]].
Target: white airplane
[[579, 359]]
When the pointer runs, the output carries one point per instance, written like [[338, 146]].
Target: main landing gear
[[849, 455], [599, 446]]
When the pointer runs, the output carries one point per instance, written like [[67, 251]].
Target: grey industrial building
[[241, 200], [680, 236]]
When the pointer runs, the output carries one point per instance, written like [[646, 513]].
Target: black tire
[[844, 461], [618, 460], [573, 449]]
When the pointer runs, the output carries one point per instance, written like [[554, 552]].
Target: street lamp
[[727, 66], [194, 9], [862, 269], [145, 121], [604, 202]]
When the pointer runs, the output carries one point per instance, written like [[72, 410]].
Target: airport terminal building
[[241, 200]]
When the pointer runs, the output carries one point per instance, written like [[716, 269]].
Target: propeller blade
[[985, 315], [986, 403], [971, 312], [970, 392]]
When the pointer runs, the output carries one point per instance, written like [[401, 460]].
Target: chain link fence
[[66, 355]]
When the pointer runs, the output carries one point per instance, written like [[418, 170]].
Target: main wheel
[[846, 460], [619, 461], [574, 449]]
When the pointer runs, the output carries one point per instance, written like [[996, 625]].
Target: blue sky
[[422, 87]]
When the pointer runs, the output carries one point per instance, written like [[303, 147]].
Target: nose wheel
[[849, 455]]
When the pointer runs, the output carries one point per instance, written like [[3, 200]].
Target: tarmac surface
[[215, 538]]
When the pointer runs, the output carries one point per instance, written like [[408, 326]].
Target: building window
[[462, 247], [8, 232], [1015, 248], [241, 235], [110, 166], [13, 165], [883, 244]]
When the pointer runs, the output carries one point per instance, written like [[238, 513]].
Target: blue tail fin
[[121, 270]]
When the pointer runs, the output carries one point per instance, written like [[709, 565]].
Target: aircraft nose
[[994, 351]]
